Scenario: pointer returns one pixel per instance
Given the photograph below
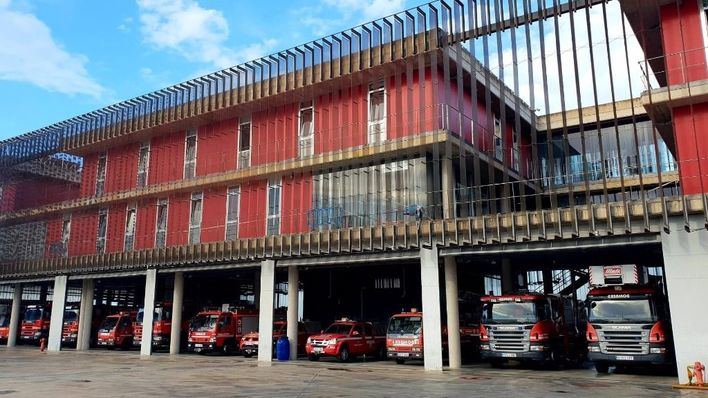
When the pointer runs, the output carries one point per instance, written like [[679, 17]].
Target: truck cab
[[35, 324], [216, 330], [70, 328], [530, 327], [161, 326], [116, 331], [346, 339], [249, 341]]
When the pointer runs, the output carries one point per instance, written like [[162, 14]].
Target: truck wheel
[[314, 358], [226, 349], [400, 361], [602, 367], [343, 355]]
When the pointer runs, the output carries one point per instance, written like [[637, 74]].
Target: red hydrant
[[42, 344], [698, 370]]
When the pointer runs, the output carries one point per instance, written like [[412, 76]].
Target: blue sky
[[61, 58]]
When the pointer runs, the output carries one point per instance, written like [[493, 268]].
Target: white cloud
[[330, 15], [369, 9], [29, 54], [198, 34], [126, 26]]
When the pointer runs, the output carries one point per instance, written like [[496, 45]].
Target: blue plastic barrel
[[282, 349]]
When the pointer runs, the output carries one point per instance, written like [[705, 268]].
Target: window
[[244, 143], [195, 218], [498, 141], [273, 221], [101, 174], [516, 151], [143, 164], [130, 219], [377, 112], [190, 154], [65, 233], [232, 205], [161, 224], [306, 130], [101, 232]]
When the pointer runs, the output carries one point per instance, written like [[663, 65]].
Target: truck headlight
[[37, 334], [332, 342], [484, 347], [309, 340], [594, 348], [212, 340], [537, 348], [657, 350], [157, 338]]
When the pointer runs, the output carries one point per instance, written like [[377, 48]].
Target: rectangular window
[[130, 220], [195, 218], [143, 164], [161, 223], [498, 141], [190, 154], [377, 112], [102, 230], [244, 143], [306, 131], [65, 234], [101, 174], [274, 194], [516, 152], [232, 208]]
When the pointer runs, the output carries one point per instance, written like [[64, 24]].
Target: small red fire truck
[[346, 339], [216, 330], [117, 330], [249, 341], [70, 329], [35, 324], [161, 326]]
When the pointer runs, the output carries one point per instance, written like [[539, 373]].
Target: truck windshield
[[109, 323], [70, 316], [405, 325], [203, 323], [4, 321], [155, 317], [637, 310], [515, 312], [33, 314], [338, 328]]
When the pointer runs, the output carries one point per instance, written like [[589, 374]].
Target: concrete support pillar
[[15, 315], [686, 273], [547, 281], [57, 320], [265, 318], [176, 323], [448, 188], [453, 313], [83, 339], [148, 312], [430, 295], [507, 276], [293, 295]]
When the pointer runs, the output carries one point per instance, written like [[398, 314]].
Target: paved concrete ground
[[24, 371]]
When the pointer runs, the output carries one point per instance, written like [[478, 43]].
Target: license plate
[[403, 355], [508, 355], [318, 350], [199, 345], [624, 358]]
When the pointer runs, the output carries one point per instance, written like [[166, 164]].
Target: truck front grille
[[508, 340], [623, 342]]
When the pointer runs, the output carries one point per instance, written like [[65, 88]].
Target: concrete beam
[[57, 320], [265, 317], [83, 339], [176, 322], [293, 295], [15, 315], [148, 312], [430, 295]]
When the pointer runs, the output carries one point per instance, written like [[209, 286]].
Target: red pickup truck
[[345, 340]]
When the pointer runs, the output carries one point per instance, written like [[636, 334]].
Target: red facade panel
[[122, 168], [178, 220], [214, 215], [274, 134], [252, 217], [53, 237], [682, 34], [37, 192], [9, 192], [690, 124], [116, 228], [296, 203], [84, 226], [88, 175], [216, 147], [146, 214], [166, 158]]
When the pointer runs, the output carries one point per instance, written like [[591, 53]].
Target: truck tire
[[400, 361], [313, 358], [602, 367], [344, 354]]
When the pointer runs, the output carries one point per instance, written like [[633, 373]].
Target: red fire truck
[[117, 330], [4, 327], [531, 327], [628, 320], [161, 326], [70, 329], [216, 330], [35, 324], [346, 339], [249, 341]]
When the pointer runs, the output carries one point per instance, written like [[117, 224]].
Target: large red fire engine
[[216, 330], [346, 339], [70, 328], [249, 341], [161, 326], [628, 320], [117, 330], [35, 324], [531, 327]]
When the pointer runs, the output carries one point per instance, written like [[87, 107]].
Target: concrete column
[[547, 281], [177, 301], [430, 295], [265, 317], [15, 315], [148, 312], [453, 313], [507, 276], [293, 295], [686, 273], [57, 321], [448, 188], [83, 340]]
